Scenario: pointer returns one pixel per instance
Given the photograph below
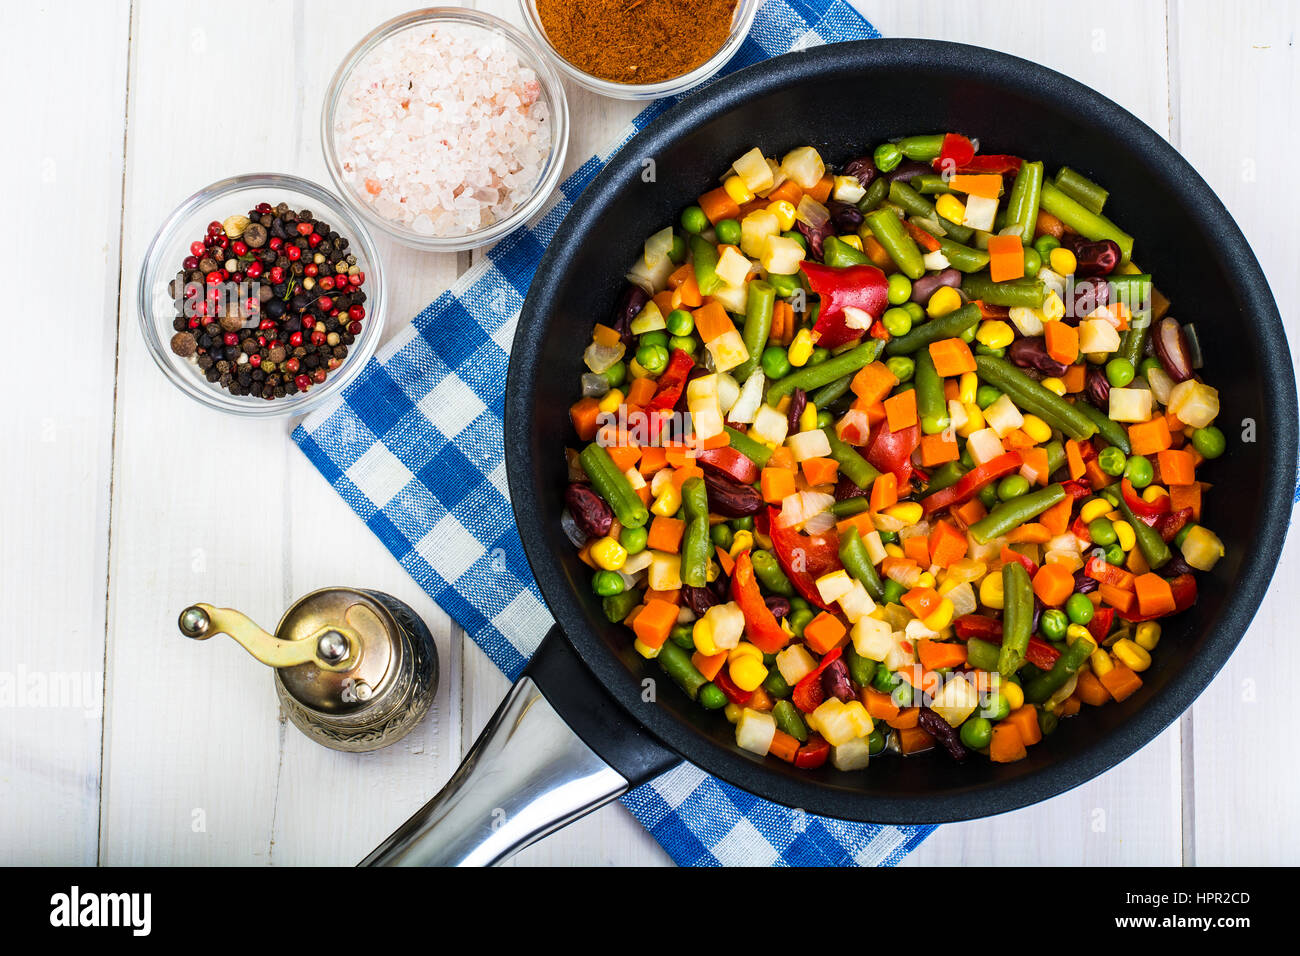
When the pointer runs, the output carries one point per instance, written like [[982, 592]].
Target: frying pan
[[577, 730]]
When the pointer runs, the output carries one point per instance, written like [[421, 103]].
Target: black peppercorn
[[184, 344]]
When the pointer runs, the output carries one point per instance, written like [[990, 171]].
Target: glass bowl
[[552, 92], [171, 244], [741, 20]]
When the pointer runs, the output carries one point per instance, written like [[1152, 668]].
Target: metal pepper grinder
[[355, 670]]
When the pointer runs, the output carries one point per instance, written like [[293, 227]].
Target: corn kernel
[[1014, 695], [732, 712], [608, 554], [737, 190], [852, 239], [1101, 662], [702, 635], [995, 334], [744, 649], [747, 673], [611, 401], [926, 580], [1062, 260], [1124, 535], [808, 419], [646, 651], [1128, 651], [801, 349], [1037, 429], [941, 617], [636, 369], [991, 592], [1077, 632], [712, 574], [1147, 635], [894, 551], [669, 501], [945, 300], [743, 541], [1053, 307], [950, 207], [974, 420], [909, 512], [967, 387], [784, 212], [1093, 510], [1153, 493]]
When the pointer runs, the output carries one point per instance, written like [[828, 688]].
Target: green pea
[[1047, 721], [633, 540], [1182, 534], [986, 395], [728, 231], [819, 355], [897, 321], [1209, 441], [775, 362], [977, 733], [677, 251], [720, 535], [900, 289], [1147, 364], [1112, 461], [1115, 555], [616, 374], [1033, 261], [1101, 531], [1044, 245], [825, 419], [915, 310], [656, 337], [711, 697], [988, 495], [775, 684], [799, 620], [894, 591], [1013, 486], [747, 524], [795, 236], [680, 322], [1111, 495], [902, 367], [887, 157], [693, 220], [885, 680], [998, 707], [902, 694], [875, 742], [1139, 472], [888, 537], [1079, 608], [965, 459], [1053, 624], [653, 358], [683, 635], [607, 583], [1119, 372], [784, 285], [686, 343]]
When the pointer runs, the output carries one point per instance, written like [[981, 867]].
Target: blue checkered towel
[[414, 445]]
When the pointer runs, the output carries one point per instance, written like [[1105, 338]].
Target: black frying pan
[[841, 98]]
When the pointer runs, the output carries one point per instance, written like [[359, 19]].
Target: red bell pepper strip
[[673, 380], [1144, 509], [1080, 531], [860, 287], [804, 557], [734, 464], [1076, 488], [971, 482], [734, 694], [813, 754], [977, 625], [1170, 524], [892, 451], [761, 626], [999, 163], [1039, 653], [1009, 555], [957, 151], [1104, 572], [808, 693], [1100, 624], [1184, 590]]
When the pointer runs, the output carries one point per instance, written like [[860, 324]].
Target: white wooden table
[[188, 761]]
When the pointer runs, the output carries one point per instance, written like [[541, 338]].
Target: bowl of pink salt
[[446, 128]]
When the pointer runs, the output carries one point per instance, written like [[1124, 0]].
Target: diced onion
[[811, 213], [600, 358], [658, 246]]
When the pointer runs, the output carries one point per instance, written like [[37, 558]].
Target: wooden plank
[[1236, 121], [64, 175]]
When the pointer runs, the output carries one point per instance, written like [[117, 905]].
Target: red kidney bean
[[844, 216], [1084, 584], [1087, 295], [863, 169], [907, 170], [798, 402], [630, 303], [926, 286], [732, 499], [815, 237], [778, 605], [836, 682], [939, 729], [845, 489], [1096, 258], [1031, 353], [589, 510], [699, 600], [1096, 388], [1171, 349]]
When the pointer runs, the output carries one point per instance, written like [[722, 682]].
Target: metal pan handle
[[556, 749]]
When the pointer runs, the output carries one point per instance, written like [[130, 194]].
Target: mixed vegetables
[[896, 456]]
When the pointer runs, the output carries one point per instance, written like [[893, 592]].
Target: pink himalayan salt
[[442, 129]]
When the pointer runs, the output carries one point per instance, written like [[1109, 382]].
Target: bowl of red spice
[[639, 49]]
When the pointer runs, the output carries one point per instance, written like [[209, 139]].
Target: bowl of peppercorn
[[261, 295]]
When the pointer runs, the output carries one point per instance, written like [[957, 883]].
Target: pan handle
[[556, 749]]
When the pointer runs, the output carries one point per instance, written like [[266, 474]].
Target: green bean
[[1149, 542], [1107, 427], [1032, 397], [945, 476], [852, 465], [769, 573], [758, 326], [1084, 221], [838, 254], [876, 194], [931, 403], [755, 451], [1010, 515], [704, 255], [619, 606], [1081, 189], [930, 184], [611, 485], [963, 258], [1022, 293], [697, 546], [945, 327], [1045, 685], [812, 377], [1017, 616], [1137, 292], [914, 204], [850, 507], [677, 665], [889, 232], [1022, 204], [981, 655], [861, 669], [921, 148], [1055, 455], [854, 557], [789, 720], [827, 394]]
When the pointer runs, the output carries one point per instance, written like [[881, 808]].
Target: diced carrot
[[679, 456], [584, 414], [1120, 681], [783, 313], [1075, 377], [1029, 533], [654, 623], [624, 456], [921, 601], [1070, 706], [884, 492], [1016, 439], [824, 632], [947, 543], [664, 301], [918, 549], [1056, 519], [720, 440], [717, 205], [709, 664], [1007, 746], [951, 357], [1062, 341], [653, 458], [688, 293], [906, 719], [789, 190], [685, 473], [1074, 459], [1182, 496], [970, 512], [1035, 466], [914, 740], [877, 254], [1006, 258], [862, 521], [712, 321], [777, 484], [679, 275], [673, 597], [665, 534], [641, 391], [1118, 598], [1154, 595], [937, 654], [761, 701], [880, 706], [1097, 478], [984, 185], [873, 382], [951, 389], [1148, 438], [782, 457], [820, 471], [725, 559], [1176, 467], [822, 191], [1090, 689], [1053, 584], [937, 449], [783, 746], [1025, 719], [900, 409]]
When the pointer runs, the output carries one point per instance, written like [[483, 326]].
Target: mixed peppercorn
[[268, 303]]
